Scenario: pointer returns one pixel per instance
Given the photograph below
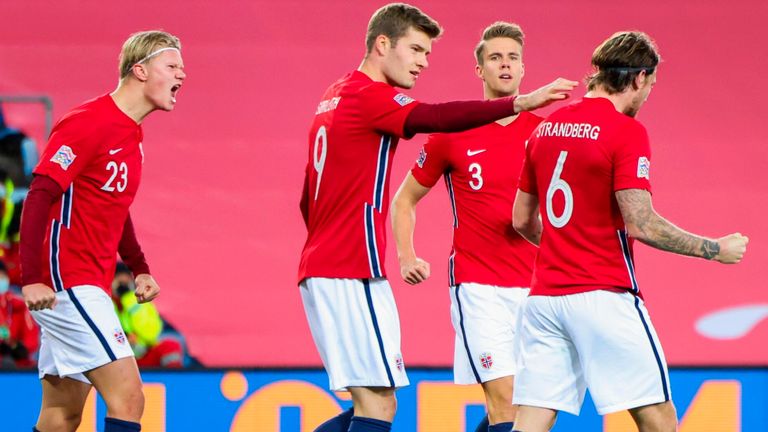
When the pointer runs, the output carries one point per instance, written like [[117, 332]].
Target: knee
[[54, 420], [129, 405]]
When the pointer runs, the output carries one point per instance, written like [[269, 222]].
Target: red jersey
[[95, 155], [351, 144], [575, 162], [481, 167]]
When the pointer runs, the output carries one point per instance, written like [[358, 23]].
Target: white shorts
[[81, 333], [600, 340], [485, 318], [356, 329]]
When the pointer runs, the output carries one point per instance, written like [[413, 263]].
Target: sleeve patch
[[643, 168], [403, 99], [64, 156]]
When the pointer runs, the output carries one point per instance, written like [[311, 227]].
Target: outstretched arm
[[647, 226], [462, 115], [412, 268], [525, 217]]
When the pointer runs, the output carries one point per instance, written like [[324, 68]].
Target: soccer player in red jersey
[[490, 265], [356, 128], [585, 324], [75, 221]]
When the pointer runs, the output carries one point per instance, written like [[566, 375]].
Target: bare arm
[[644, 224], [412, 268], [525, 217]]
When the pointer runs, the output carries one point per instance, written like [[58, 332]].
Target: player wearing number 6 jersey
[[585, 324], [356, 128], [490, 265], [75, 221]]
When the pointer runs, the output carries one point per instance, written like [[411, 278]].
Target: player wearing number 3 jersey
[[490, 265], [74, 223], [352, 140], [585, 324]]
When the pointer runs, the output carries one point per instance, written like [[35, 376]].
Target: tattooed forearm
[[650, 228], [710, 249]]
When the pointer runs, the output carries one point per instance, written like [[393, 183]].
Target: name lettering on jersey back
[[327, 105], [568, 130]]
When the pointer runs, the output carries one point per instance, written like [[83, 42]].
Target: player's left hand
[[146, 288]]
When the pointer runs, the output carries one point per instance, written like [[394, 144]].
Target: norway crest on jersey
[[64, 156], [399, 362], [486, 360], [119, 336]]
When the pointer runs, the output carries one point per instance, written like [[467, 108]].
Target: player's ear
[[382, 44], [640, 80], [479, 72], [139, 71]]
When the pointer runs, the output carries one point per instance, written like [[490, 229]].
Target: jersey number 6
[[559, 184]]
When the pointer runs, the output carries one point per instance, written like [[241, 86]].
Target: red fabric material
[[43, 193], [130, 250], [457, 116], [481, 168], [575, 161]]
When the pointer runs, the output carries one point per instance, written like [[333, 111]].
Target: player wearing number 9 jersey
[[585, 324], [353, 137], [75, 221]]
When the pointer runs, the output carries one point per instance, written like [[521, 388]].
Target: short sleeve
[[385, 109], [632, 159], [432, 161], [71, 147], [527, 182]]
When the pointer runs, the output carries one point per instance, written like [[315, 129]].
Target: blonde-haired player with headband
[[75, 220]]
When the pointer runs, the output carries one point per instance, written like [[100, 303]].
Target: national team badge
[[399, 363], [486, 360], [644, 168], [64, 157], [403, 99], [422, 158], [119, 336]]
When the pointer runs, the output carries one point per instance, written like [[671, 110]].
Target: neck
[[490, 94], [371, 68], [130, 100], [620, 101]]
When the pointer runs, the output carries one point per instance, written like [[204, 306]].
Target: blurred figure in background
[[19, 335], [143, 325]]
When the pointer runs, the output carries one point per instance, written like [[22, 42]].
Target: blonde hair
[[140, 45], [499, 29]]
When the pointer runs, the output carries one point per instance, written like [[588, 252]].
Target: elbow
[[636, 233], [521, 225]]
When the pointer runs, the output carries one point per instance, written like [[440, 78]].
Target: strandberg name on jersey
[[568, 130]]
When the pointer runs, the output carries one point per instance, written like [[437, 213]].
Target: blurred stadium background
[[218, 215]]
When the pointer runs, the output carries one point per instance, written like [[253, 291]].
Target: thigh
[[623, 362], [483, 317], [549, 369], [116, 379], [356, 328]]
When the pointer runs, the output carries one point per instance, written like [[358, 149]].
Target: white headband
[[154, 53]]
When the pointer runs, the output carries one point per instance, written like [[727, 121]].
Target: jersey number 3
[[558, 184], [122, 181]]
